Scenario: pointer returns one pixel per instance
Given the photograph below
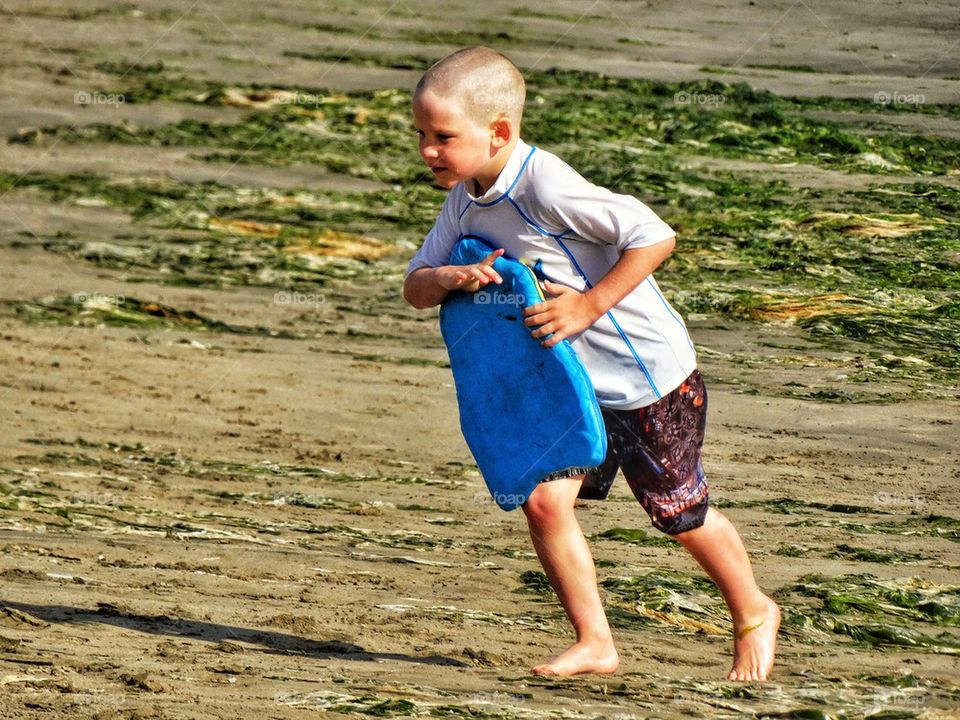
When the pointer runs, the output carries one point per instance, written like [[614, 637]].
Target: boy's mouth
[[437, 169]]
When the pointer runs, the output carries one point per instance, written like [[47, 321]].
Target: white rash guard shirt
[[540, 209]]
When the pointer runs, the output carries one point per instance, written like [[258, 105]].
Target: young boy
[[598, 250]]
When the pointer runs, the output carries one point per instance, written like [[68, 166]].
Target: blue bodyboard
[[525, 410]]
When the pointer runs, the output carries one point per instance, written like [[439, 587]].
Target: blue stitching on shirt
[[513, 184], [531, 222], [609, 313], [672, 313]]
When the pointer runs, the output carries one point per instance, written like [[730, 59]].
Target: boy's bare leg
[[566, 559], [717, 546]]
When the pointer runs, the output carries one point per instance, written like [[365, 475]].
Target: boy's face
[[453, 145]]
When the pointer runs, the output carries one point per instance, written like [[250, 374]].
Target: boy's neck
[[492, 171]]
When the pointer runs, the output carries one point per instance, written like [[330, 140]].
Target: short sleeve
[[569, 201], [439, 242]]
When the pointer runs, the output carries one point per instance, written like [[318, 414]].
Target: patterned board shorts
[[658, 449]]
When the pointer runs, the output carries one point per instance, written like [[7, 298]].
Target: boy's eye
[[444, 138]]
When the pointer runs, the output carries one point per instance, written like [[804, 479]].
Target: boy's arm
[[571, 312], [428, 286]]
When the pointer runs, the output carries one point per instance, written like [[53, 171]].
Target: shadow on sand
[[270, 641]]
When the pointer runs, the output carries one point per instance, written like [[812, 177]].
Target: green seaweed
[[656, 583], [365, 59], [389, 708], [940, 526], [867, 595], [535, 582], [135, 67], [683, 603], [395, 539], [635, 536], [850, 552], [858, 271], [787, 68], [791, 551], [886, 635], [84, 443], [73, 14], [459, 38], [367, 135], [576, 18], [908, 680], [789, 506], [241, 236]]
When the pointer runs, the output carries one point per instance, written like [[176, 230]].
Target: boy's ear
[[501, 131]]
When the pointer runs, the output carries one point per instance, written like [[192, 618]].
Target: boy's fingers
[[556, 289], [544, 330], [556, 335], [484, 274], [488, 260], [492, 274]]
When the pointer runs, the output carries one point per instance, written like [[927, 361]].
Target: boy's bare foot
[[754, 646], [582, 657]]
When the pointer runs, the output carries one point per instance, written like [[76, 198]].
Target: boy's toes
[[543, 670], [754, 647], [582, 658]]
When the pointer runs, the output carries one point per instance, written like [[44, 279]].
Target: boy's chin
[[446, 180]]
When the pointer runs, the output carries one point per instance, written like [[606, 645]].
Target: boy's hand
[[566, 314], [470, 278]]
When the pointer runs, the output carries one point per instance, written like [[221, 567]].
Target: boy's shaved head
[[485, 83]]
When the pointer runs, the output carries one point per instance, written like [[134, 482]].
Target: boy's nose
[[428, 152]]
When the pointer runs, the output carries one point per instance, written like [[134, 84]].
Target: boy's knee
[[689, 519], [539, 508], [545, 504]]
